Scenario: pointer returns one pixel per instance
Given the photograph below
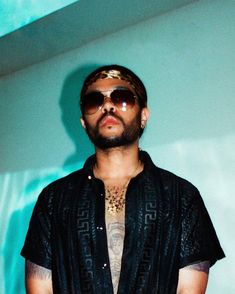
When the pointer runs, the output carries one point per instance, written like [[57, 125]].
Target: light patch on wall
[[17, 13], [19, 192]]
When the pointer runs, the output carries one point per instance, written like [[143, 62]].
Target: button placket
[[99, 228], [104, 266]]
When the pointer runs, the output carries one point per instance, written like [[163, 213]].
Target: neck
[[118, 163]]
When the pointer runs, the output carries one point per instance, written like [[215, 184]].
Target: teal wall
[[15, 14], [186, 59]]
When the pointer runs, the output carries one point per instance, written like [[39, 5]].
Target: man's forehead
[[108, 74], [108, 84], [116, 75]]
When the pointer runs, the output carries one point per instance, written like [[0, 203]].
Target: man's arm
[[37, 279], [193, 278]]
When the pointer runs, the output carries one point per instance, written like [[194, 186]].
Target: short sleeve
[[37, 246], [199, 241]]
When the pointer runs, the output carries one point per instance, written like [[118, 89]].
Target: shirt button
[[99, 228], [89, 177], [101, 194], [104, 266]]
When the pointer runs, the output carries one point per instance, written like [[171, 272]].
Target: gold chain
[[115, 195]]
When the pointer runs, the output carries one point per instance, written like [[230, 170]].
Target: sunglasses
[[123, 99]]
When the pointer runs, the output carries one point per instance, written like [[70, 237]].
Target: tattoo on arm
[[33, 270], [202, 266]]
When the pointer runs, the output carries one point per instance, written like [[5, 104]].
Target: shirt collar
[[144, 157]]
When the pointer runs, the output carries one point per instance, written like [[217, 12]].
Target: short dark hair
[[124, 74]]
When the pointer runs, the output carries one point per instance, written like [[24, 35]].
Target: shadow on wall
[[19, 219], [71, 114]]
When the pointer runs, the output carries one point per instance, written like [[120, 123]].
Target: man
[[120, 224]]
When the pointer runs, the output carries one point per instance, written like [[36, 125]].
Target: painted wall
[[186, 59], [15, 14]]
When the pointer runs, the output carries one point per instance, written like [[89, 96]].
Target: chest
[[115, 231], [135, 234]]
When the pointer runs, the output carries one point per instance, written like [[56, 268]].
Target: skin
[[37, 279], [193, 278], [116, 166]]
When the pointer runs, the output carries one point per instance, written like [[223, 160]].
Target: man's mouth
[[109, 121]]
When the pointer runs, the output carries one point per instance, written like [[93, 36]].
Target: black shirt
[[166, 228]]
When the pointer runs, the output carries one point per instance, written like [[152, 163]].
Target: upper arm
[[37, 245], [198, 239], [193, 278], [199, 244], [37, 279]]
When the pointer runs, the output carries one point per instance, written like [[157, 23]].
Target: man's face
[[110, 126]]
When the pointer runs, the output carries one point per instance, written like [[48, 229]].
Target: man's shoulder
[[174, 185], [174, 179], [169, 180], [173, 190], [74, 178], [62, 188], [70, 180]]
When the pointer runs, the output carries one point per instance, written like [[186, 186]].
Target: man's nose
[[108, 105]]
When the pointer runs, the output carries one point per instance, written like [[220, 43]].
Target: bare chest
[[115, 227]]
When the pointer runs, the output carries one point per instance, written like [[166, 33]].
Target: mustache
[[110, 113]]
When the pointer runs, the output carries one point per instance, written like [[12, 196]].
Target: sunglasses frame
[[122, 107]]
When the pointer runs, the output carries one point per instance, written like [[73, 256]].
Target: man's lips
[[109, 120]]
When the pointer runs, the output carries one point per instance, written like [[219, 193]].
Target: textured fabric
[[166, 227]]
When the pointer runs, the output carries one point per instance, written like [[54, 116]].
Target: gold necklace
[[115, 195]]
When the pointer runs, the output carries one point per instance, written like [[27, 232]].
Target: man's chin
[[105, 139], [109, 142], [110, 132]]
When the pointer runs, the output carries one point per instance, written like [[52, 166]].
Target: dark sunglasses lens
[[92, 101], [123, 99]]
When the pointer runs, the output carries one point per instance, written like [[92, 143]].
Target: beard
[[131, 132]]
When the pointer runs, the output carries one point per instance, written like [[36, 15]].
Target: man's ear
[[144, 116], [83, 122]]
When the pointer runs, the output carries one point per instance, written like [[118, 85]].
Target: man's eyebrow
[[121, 88]]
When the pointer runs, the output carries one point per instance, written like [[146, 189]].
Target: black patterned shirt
[[167, 227]]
